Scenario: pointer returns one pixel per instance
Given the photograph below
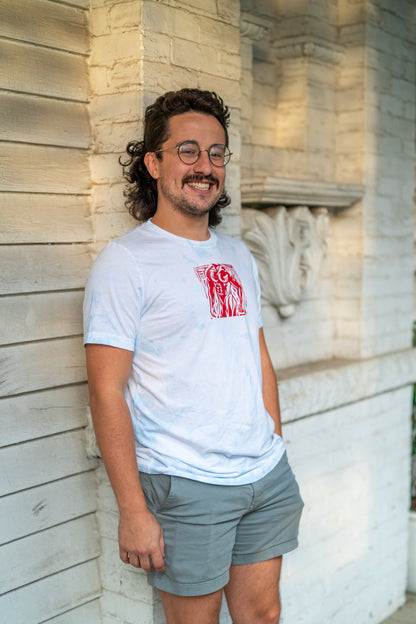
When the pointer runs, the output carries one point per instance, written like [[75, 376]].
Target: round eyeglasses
[[189, 153]]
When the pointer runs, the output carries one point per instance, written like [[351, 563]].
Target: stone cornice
[[253, 31], [308, 47], [310, 389], [261, 192]]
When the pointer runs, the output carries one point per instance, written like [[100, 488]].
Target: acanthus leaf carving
[[289, 246]]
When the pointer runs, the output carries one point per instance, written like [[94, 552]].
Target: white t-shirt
[[190, 313]]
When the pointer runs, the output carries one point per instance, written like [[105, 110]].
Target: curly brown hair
[[141, 192]]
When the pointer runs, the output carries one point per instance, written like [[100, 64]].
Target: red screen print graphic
[[223, 290]]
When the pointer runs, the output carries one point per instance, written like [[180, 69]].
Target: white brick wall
[[353, 467]]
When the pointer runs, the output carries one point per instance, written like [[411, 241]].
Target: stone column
[[139, 50], [307, 51], [375, 146]]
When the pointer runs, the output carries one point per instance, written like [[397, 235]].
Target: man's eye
[[188, 149], [217, 154]]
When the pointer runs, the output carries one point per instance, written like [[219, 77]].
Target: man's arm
[[270, 391], [140, 535]]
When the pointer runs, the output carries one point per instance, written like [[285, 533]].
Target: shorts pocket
[[156, 488]]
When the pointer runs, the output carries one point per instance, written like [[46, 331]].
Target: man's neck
[[193, 228]]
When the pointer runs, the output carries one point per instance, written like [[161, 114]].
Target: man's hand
[[141, 541]]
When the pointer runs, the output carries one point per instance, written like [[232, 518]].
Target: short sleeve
[[112, 299]]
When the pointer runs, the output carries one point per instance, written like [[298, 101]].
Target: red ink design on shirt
[[223, 290]]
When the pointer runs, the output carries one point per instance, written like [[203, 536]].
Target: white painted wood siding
[[48, 536]]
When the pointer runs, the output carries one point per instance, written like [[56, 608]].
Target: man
[[183, 394]]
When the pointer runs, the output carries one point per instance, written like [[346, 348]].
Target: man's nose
[[203, 164]]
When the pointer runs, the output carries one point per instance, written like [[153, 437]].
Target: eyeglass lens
[[190, 151]]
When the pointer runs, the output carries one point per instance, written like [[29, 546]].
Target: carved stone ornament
[[315, 48], [289, 245], [253, 32], [254, 28]]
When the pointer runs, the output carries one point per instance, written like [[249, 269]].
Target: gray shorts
[[207, 528]]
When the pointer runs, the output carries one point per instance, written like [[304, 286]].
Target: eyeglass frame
[[227, 153]]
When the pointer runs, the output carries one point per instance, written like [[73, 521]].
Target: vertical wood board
[[40, 316], [43, 169], [45, 23], [34, 119], [27, 218], [40, 365], [36, 268], [31, 69], [48, 552], [42, 461], [38, 414], [42, 507], [53, 596]]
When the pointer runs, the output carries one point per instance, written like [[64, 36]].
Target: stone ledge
[[307, 46], [322, 386], [261, 192]]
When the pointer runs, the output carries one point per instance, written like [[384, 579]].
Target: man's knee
[[271, 615]]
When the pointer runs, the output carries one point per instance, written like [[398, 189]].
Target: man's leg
[[253, 592], [192, 609]]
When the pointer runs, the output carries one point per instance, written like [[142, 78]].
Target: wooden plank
[[44, 413], [27, 218], [48, 552], [42, 461], [40, 316], [45, 506], [54, 595], [34, 119], [45, 23], [37, 268], [32, 69], [40, 365], [43, 169], [89, 613]]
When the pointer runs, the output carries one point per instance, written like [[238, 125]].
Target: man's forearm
[[270, 391], [271, 399], [140, 535], [115, 437]]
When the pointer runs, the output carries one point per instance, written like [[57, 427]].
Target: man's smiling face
[[190, 189]]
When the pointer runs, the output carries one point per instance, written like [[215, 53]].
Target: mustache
[[200, 178]]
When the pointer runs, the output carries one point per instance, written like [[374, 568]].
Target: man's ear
[[152, 164]]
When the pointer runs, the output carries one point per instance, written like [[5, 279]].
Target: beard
[[180, 201]]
